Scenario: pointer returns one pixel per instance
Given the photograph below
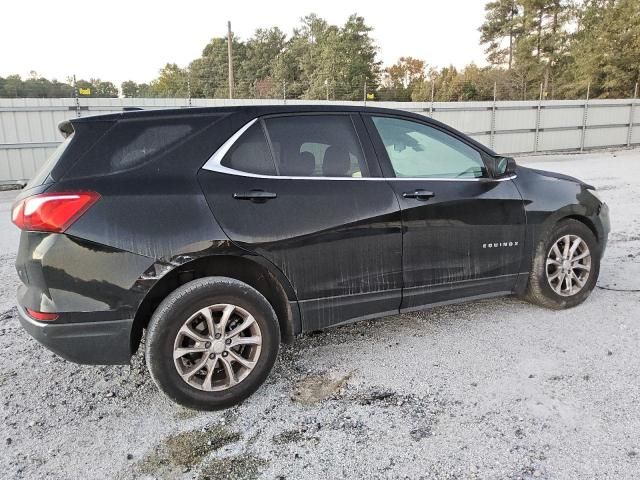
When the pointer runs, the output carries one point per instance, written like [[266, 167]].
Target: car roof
[[261, 110], [257, 109]]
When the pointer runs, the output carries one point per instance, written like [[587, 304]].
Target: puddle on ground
[[319, 387], [185, 450]]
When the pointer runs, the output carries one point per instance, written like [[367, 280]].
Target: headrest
[[336, 162], [302, 166]]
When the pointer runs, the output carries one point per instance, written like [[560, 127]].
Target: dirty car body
[[324, 210]]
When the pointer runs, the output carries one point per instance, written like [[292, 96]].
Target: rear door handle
[[419, 194], [256, 196]]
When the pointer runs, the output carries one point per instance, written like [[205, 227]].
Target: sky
[[131, 40]]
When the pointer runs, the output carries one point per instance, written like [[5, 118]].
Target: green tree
[[209, 74], [145, 90], [542, 47], [13, 86], [300, 66], [98, 88], [605, 50], [104, 89], [172, 82], [129, 89], [359, 53], [400, 79], [261, 60], [333, 61], [502, 21]]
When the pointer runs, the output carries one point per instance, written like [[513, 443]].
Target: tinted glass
[[417, 150], [44, 171], [146, 143], [316, 146], [134, 143], [251, 153]]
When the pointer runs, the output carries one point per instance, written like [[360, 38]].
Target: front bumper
[[605, 222], [95, 343]]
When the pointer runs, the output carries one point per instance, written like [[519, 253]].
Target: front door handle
[[419, 194], [256, 196]]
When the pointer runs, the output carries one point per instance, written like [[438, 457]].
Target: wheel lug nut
[[207, 345], [218, 336], [228, 341], [224, 354], [212, 356]]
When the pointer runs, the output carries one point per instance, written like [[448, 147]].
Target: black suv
[[219, 232]]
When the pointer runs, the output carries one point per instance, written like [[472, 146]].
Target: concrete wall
[[29, 134]]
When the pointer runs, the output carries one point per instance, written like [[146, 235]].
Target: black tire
[[170, 316], [539, 291]]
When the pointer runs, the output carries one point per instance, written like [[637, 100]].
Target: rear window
[[43, 172]]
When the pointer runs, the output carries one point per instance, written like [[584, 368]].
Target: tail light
[[52, 212], [42, 316]]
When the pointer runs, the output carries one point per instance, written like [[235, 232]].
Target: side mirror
[[505, 166]]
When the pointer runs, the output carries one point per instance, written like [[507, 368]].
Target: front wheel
[[565, 267], [212, 342]]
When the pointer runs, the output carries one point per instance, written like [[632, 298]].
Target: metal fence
[[29, 134]]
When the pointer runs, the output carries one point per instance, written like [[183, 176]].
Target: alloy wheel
[[568, 265], [217, 347]]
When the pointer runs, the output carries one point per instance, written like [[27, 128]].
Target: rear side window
[[316, 146], [133, 143], [251, 153], [146, 143]]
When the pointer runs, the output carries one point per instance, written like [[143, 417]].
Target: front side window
[[417, 150], [316, 146], [250, 153]]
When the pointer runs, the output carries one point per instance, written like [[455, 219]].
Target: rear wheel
[[212, 342], [565, 267]]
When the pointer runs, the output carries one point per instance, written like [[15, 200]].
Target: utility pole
[[433, 93], [230, 53], [584, 117], [75, 94], [631, 116], [493, 114], [364, 96], [536, 140], [189, 87]]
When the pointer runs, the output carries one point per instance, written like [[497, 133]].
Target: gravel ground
[[494, 389]]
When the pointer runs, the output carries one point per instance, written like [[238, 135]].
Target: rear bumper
[[95, 343], [94, 289]]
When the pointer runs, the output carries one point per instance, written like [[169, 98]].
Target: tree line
[[35, 86], [557, 49]]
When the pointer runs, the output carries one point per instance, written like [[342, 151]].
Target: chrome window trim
[[214, 164]]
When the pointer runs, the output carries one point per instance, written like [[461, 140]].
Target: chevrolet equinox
[[217, 233]]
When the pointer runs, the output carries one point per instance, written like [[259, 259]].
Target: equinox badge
[[499, 244]]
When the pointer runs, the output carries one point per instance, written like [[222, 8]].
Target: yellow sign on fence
[[85, 91], [371, 96]]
